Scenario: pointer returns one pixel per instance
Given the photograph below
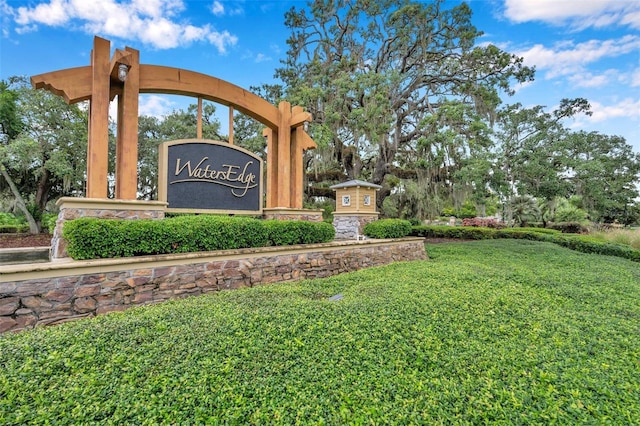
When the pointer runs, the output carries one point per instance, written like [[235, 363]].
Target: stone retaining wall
[[55, 292]]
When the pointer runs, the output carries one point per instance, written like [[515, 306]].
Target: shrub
[[91, 238], [387, 228], [13, 229], [49, 222], [483, 222], [581, 243], [458, 232], [9, 224], [569, 227], [290, 232]]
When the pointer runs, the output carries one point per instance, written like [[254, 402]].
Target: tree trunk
[[42, 195], [33, 226]]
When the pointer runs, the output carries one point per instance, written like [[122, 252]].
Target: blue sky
[[580, 48]]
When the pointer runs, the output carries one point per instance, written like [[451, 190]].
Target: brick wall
[[52, 293]]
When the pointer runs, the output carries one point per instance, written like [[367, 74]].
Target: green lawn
[[494, 331]]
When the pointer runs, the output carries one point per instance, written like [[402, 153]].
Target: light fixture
[[306, 126], [123, 71]]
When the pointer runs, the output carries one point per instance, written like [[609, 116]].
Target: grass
[[493, 331], [629, 237]]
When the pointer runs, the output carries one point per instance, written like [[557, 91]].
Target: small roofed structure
[[356, 196], [355, 207]]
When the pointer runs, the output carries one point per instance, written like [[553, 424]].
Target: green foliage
[[489, 332], [49, 221], [91, 238], [387, 228], [582, 243], [629, 237], [569, 227], [290, 232], [9, 224]]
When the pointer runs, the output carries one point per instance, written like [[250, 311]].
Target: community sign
[[204, 176]]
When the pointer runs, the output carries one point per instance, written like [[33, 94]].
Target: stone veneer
[[56, 292], [74, 208], [281, 213], [350, 226]]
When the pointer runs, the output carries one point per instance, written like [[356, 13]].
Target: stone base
[[283, 213], [350, 226], [104, 208], [56, 292]]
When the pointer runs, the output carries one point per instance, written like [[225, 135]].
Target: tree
[[179, 124], [43, 151], [373, 73], [531, 152], [605, 173]]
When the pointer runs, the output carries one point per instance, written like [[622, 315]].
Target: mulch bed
[[24, 240]]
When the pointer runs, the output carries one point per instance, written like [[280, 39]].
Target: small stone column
[[105, 208], [355, 207]]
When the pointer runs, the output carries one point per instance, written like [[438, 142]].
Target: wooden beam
[[98, 145]]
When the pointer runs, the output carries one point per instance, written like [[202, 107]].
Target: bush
[[483, 222], [387, 228], [290, 232], [91, 238], [13, 229], [10, 224], [458, 232], [581, 243], [49, 222], [569, 227]]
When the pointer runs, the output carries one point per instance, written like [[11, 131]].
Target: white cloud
[[221, 40], [567, 58], [591, 80], [635, 78], [261, 57], [626, 108], [217, 8], [154, 22], [155, 106], [54, 14], [575, 13]]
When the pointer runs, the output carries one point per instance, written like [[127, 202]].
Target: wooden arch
[[123, 76]]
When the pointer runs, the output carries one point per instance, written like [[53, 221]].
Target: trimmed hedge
[[290, 232], [91, 238], [387, 228], [581, 243]]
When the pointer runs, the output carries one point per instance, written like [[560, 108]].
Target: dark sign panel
[[207, 176]]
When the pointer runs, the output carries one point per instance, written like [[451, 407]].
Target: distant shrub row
[[91, 238], [565, 227], [581, 243], [12, 229]]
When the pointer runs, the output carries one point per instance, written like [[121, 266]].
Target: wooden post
[[127, 136], [272, 167], [230, 124], [284, 155], [199, 125], [98, 146]]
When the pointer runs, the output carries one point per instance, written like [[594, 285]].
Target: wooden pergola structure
[[123, 76]]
